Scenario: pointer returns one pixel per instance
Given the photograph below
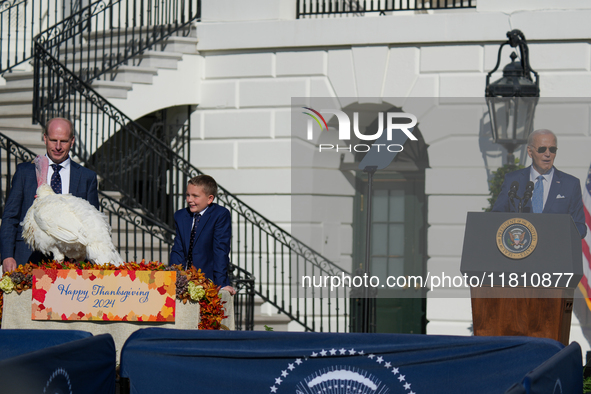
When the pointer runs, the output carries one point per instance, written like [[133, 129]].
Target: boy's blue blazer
[[211, 252]]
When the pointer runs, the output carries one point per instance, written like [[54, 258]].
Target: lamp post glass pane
[[511, 118]]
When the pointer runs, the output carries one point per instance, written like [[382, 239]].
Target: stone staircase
[[266, 315], [16, 111], [16, 96]]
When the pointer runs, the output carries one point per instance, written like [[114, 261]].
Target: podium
[[527, 266]]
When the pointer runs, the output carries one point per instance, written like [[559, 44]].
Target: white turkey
[[66, 225]]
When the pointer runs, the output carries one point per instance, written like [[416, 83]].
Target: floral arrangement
[[191, 285]]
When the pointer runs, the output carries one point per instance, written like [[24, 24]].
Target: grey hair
[[72, 131], [530, 139]]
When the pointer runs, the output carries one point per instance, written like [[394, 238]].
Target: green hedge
[[494, 185]]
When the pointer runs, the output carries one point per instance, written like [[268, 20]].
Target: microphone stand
[[512, 200], [522, 201], [520, 206], [368, 308], [527, 194]]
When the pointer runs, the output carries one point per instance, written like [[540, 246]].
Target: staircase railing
[[91, 44], [11, 155], [109, 33], [243, 282], [137, 236], [259, 246], [21, 20], [331, 8]]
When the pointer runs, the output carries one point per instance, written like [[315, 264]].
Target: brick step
[[133, 74], [185, 45], [27, 136], [18, 109], [148, 59], [155, 59], [266, 314], [17, 95], [189, 31], [20, 79], [21, 120], [112, 89]]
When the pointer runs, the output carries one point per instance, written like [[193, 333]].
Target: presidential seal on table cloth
[[517, 238]]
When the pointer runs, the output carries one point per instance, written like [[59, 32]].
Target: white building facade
[[253, 62]]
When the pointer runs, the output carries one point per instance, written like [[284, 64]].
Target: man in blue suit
[[554, 191], [58, 137], [203, 233]]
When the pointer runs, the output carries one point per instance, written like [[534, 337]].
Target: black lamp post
[[512, 99]]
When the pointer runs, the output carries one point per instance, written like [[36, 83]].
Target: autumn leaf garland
[[192, 286]]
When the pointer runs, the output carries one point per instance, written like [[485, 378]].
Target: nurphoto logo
[[392, 143]]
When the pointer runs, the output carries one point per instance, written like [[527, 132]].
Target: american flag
[[585, 283]]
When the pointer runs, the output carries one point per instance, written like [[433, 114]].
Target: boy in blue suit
[[203, 233], [554, 192]]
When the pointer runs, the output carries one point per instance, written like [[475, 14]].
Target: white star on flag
[[298, 361], [290, 367], [273, 389], [278, 380], [314, 354], [379, 360], [407, 386], [371, 356], [352, 351], [401, 378], [333, 352], [388, 364], [343, 351], [323, 353], [284, 373]]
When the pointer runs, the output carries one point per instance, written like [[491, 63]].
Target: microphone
[[513, 190], [529, 190]]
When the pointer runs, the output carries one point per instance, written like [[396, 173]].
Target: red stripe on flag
[[585, 294], [584, 284]]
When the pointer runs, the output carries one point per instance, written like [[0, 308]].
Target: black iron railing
[[316, 8], [11, 155], [109, 33], [136, 236], [84, 47], [152, 176], [21, 20], [243, 282]]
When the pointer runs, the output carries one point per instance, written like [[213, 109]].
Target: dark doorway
[[399, 229]]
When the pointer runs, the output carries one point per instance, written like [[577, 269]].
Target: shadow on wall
[[495, 155]]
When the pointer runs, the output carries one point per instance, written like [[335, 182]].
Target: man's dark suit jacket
[[212, 242], [564, 196], [83, 184]]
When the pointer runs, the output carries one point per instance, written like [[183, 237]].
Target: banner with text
[[109, 295]]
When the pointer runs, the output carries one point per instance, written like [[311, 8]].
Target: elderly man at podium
[[554, 191]]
